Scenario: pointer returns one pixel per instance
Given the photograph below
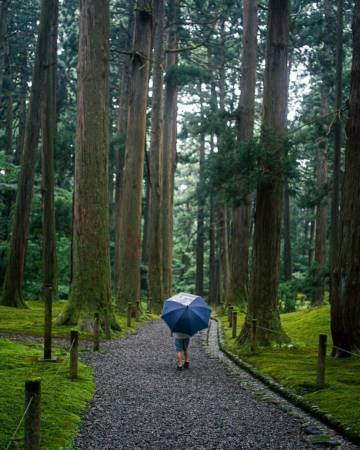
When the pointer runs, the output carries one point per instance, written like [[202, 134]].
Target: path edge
[[284, 392]]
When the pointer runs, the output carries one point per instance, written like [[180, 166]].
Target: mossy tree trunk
[[169, 151], [129, 247], [14, 275], [240, 230], [345, 314], [155, 282], [90, 288], [263, 300]]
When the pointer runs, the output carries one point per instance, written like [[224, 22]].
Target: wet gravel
[[143, 402]]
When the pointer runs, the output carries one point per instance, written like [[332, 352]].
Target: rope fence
[[254, 326], [31, 413]]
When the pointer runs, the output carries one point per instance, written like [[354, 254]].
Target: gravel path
[[143, 402]]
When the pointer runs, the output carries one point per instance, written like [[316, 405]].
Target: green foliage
[[295, 366], [62, 400], [184, 74]]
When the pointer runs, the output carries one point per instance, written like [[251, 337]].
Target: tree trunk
[[12, 288], [3, 32], [48, 125], [287, 235], [155, 282], [48, 179], [335, 203], [345, 316], [121, 129], [169, 152], [90, 289], [21, 110], [320, 216], [199, 281], [240, 230], [128, 286], [263, 300]]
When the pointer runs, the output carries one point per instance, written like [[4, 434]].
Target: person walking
[[182, 341]]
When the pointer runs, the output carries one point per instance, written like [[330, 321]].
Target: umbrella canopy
[[186, 313]]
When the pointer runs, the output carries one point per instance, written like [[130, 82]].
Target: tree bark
[[91, 289], [49, 119], [335, 202], [121, 129], [345, 316], [3, 32], [200, 234], [13, 281], [320, 216], [240, 230], [263, 300], [128, 286], [169, 152], [155, 281], [287, 235]]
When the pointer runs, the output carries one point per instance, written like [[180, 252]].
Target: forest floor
[[143, 402]]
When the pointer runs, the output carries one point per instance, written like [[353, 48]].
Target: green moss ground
[[62, 400], [295, 366], [31, 321]]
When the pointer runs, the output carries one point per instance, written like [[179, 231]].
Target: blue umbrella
[[186, 313]]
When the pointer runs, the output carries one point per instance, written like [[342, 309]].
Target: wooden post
[[320, 379], [96, 332], [74, 343], [138, 308], [149, 306], [107, 327], [32, 416], [234, 323], [47, 321], [230, 310], [253, 336], [129, 314]]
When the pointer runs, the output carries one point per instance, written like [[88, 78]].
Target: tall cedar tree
[[155, 283], [90, 288], [169, 150], [240, 231], [200, 232], [345, 314], [13, 281], [128, 286], [335, 194], [263, 300], [48, 182], [121, 129]]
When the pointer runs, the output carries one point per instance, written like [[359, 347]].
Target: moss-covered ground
[[63, 400], [295, 365], [31, 321]]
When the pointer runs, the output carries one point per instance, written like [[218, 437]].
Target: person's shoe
[[186, 365], [179, 367]]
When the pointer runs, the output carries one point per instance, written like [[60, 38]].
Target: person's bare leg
[[179, 358], [187, 356]]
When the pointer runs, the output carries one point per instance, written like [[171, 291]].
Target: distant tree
[[345, 316], [155, 282], [12, 288], [169, 148]]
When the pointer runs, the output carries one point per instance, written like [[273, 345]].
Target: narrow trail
[[143, 402]]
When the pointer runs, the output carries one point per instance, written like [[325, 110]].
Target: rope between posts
[[68, 354], [20, 422], [346, 351]]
